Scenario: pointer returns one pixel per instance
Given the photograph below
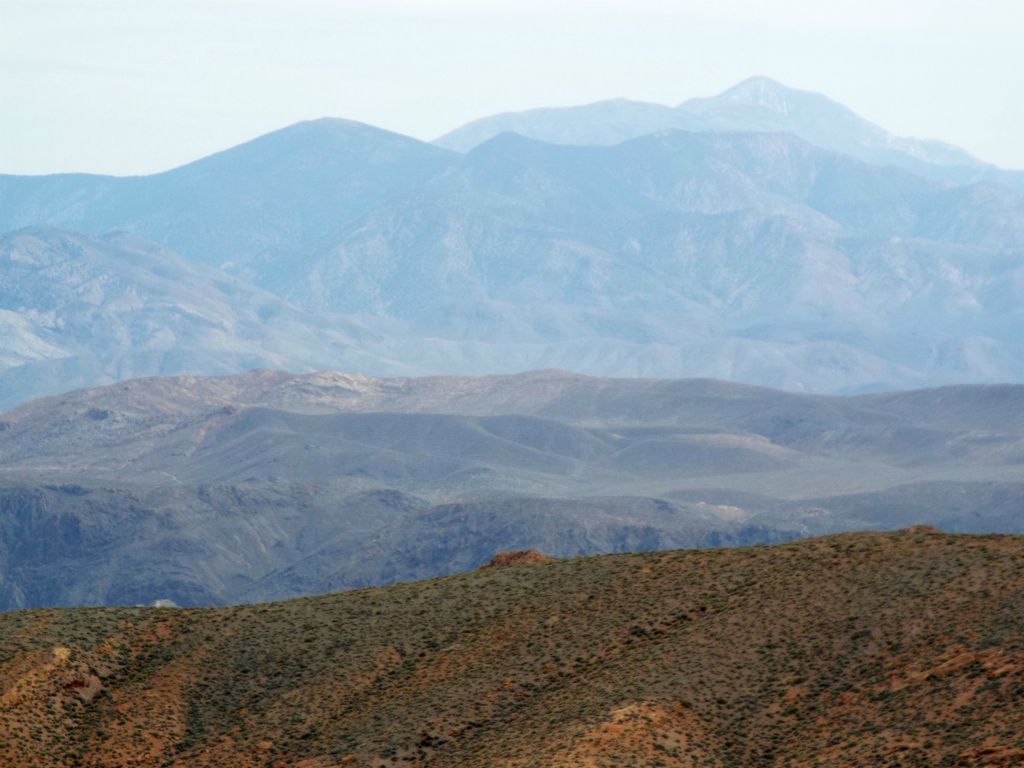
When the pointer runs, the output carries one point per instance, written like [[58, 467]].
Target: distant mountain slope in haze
[[248, 207], [762, 104], [602, 123], [750, 256], [80, 311], [756, 104], [754, 257], [267, 485], [868, 650]]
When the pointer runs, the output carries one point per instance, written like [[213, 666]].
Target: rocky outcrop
[[517, 557]]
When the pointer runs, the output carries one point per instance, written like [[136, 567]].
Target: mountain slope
[[863, 650], [756, 104], [762, 104], [248, 208], [80, 311], [755, 257], [269, 485], [601, 123]]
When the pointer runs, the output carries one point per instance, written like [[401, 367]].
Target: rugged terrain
[[269, 485], [901, 649], [77, 311], [780, 240]]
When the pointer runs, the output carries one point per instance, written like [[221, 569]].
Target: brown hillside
[[902, 649]]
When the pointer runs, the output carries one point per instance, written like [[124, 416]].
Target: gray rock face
[[268, 485]]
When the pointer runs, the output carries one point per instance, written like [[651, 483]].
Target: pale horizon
[[92, 87]]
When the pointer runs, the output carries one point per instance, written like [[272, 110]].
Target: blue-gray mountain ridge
[[766, 235]]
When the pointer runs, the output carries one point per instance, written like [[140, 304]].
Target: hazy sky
[[133, 86]]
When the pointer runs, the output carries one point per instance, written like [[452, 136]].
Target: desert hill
[[269, 485], [899, 649]]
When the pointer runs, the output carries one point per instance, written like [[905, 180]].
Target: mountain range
[[899, 649], [760, 355], [758, 104], [765, 235], [268, 485]]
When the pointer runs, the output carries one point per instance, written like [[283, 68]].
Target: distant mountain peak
[[757, 104], [337, 125], [334, 130], [507, 142], [757, 89], [764, 93]]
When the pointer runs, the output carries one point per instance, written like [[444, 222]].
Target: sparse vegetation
[[902, 649]]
